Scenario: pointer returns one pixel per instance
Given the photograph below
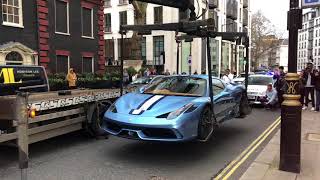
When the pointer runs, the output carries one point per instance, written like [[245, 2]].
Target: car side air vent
[[163, 115]]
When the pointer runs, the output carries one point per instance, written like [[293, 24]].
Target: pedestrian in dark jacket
[[280, 81], [317, 87], [309, 76], [302, 82]]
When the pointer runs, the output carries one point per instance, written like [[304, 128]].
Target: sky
[[275, 11]]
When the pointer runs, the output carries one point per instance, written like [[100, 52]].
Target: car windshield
[[178, 86], [259, 80], [144, 80]]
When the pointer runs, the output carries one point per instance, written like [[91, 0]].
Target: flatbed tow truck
[[30, 113]]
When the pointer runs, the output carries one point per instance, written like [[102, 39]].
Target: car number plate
[[251, 97]]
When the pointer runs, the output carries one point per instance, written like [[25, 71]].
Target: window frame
[[106, 27], [92, 64], [82, 23], [120, 19], [156, 40], [57, 63], [12, 24], [154, 15], [68, 18]]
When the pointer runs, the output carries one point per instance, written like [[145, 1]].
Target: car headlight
[[113, 108], [178, 112]]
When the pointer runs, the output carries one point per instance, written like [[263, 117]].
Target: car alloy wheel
[[206, 125]]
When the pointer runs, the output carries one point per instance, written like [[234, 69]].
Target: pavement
[[266, 165], [76, 157]]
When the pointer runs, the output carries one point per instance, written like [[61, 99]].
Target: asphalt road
[[76, 157]]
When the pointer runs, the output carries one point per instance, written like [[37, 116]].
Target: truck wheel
[[97, 119]]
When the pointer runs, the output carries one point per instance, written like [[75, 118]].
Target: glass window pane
[[10, 18], [10, 2], [10, 10], [4, 1], [5, 9], [87, 65], [5, 17], [16, 11], [16, 19], [62, 64], [16, 3], [86, 22], [61, 16]]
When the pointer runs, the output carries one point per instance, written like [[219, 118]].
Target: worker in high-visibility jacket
[[72, 79]]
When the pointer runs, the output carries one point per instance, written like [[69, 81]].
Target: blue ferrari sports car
[[175, 108]]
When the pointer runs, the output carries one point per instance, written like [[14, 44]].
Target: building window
[[123, 17], [109, 51], [87, 22], [107, 27], [123, 2], [144, 49], [158, 16], [107, 3], [62, 17], [62, 64], [12, 13], [158, 50], [87, 65], [316, 43], [14, 58]]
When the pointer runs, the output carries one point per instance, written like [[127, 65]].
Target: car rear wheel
[[206, 124]]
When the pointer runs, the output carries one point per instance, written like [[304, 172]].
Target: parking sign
[[310, 3]]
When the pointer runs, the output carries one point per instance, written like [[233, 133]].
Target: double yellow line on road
[[234, 165]]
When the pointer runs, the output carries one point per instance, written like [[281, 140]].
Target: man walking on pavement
[[309, 86]]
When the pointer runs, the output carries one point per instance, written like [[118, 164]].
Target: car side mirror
[[142, 89]]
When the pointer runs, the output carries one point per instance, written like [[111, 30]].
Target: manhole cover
[[313, 137]]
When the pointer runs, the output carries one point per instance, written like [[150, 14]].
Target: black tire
[[97, 119], [206, 124], [244, 107]]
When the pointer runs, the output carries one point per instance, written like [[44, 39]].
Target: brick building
[[56, 34]]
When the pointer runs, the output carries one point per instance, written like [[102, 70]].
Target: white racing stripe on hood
[[147, 104]]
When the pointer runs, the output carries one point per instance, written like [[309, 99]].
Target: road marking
[[250, 152], [230, 165]]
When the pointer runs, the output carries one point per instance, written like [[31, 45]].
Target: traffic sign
[[310, 3], [189, 60]]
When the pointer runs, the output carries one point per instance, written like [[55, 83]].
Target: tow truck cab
[[14, 79]]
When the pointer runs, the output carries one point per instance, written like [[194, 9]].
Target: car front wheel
[[206, 124]]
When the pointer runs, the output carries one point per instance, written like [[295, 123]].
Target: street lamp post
[[290, 148]]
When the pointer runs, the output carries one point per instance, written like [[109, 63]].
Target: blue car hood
[[132, 102]]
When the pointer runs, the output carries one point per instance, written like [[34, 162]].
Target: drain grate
[[313, 137]]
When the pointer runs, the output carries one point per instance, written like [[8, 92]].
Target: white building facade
[[282, 54], [160, 48], [309, 40]]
